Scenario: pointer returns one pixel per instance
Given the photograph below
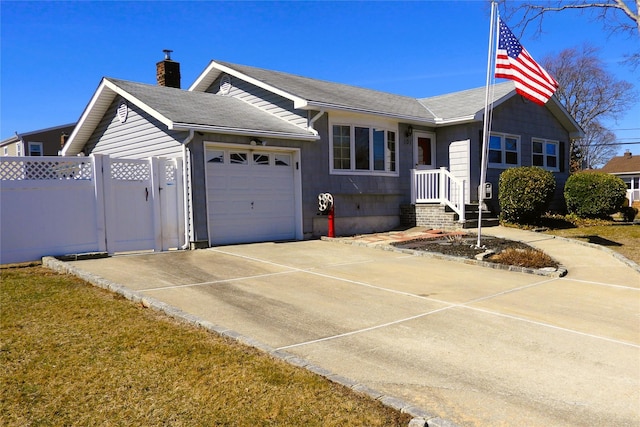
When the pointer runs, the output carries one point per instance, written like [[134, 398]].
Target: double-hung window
[[545, 154], [363, 149], [504, 150], [35, 149]]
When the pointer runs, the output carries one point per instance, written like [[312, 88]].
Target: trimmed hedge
[[594, 194], [525, 194]]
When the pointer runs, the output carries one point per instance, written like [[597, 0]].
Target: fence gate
[[66, 205], [143, 208]]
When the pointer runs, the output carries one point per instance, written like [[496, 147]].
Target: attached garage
[[253, 194]]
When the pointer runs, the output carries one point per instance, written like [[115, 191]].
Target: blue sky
[[54, 53]]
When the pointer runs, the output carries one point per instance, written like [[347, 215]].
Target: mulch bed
[[461, 246]]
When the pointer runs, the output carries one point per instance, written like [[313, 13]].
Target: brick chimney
[[168, 71]]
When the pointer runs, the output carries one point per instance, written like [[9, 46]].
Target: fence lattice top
[[19, 169], [130, 170]]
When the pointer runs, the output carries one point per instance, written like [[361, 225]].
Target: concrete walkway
[[581, 260], [448, 342]]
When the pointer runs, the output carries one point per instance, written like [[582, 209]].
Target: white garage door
[[250, 196]]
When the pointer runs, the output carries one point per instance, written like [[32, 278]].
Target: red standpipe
[[331, 222]]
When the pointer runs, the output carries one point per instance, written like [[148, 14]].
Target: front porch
[[439, 200]]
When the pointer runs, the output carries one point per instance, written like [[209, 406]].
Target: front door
[[424, 150]]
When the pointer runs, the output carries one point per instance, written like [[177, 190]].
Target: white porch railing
[[633, 195], [438, 186]]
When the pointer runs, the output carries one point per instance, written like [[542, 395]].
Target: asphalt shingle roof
[[336, 94], [623, 164], [206, 109], [465, 103]]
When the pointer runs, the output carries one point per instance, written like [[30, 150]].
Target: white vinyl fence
[[71, 205]]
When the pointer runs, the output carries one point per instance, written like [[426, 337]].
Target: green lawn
[[72, 354]]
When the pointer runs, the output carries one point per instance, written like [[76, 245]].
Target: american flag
[[514, 62]]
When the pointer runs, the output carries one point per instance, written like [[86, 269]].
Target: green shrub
[[594, 194], [628, 213], [524, 194]]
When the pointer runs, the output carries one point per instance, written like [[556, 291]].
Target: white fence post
[[98, 182], [155, 164], [109, 205]]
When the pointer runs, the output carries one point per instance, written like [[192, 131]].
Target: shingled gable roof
[[466, 105], [182, 110], [626, 164], [312, 94], [308, 93]]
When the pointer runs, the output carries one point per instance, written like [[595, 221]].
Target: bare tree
[[591, 95], [615, 15], [596, 148]]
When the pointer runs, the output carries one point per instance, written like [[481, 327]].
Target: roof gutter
[[459, 120], [324, 106], [247, 132]]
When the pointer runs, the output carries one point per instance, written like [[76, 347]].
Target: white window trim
[[544, 153], [503, 164], [36, 144], [354, 122]]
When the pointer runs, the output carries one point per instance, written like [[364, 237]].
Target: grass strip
[[72, 354]]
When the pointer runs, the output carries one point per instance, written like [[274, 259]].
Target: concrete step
[[486, 222]]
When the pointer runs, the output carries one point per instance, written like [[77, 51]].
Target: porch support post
[[442, 186], [461, 203], [413, 186]]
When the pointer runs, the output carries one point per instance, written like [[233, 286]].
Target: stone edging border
[[421, 418], [561, 271]]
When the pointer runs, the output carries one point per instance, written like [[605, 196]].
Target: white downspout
[[186, 179], [313, 120]]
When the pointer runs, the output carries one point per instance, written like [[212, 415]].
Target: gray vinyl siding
[[516, 117], [263, 99], [140, 136], [358, 198], [529, 120]]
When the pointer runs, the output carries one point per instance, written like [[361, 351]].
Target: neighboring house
[[43, 142], [627, 167], [261, 145]]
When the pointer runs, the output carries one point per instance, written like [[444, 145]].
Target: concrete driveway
[[468, 344]]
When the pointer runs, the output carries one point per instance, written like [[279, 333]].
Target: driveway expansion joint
[[420, 417]]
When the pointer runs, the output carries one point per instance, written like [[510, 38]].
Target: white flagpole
[[485, 128]]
